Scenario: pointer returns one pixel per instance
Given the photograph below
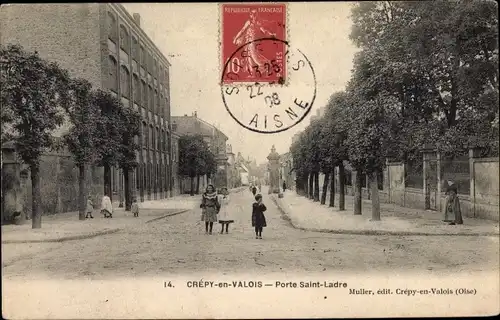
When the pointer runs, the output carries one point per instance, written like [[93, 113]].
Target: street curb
[[79, 237], [88, 236], [286, 217], [169, 215]]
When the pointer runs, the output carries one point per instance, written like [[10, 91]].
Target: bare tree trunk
[[306, 186], [81, 192], [332, 190], [325, 188], [304, 183], [297, 186], [128, 193], [36, 220], [107, 181], [357, 193], [375, 197], [316, 186], [191, 191], [341, 187], [140, 172], [310, 189], [368, 187]]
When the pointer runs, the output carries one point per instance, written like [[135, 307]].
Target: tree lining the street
[[129, 146], [108, 141], [33, 92], [37, 96], [207, 166], [195, 159], [106, 134], [447, 83], [407, 91], [83, 115]]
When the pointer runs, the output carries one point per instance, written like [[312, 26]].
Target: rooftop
[[194, 117]]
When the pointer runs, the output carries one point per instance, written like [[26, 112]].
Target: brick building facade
[[104, 44]]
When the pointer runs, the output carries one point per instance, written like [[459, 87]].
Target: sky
[[188, 35]]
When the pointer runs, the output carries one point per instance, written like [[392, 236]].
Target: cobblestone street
[[177, 245]]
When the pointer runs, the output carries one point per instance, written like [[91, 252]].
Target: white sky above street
[[187, 34]]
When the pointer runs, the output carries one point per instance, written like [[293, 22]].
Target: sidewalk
[[66, 226], [305, 214]]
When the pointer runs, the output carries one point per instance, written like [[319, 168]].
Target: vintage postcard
[[250, 160]]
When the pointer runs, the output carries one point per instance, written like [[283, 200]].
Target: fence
[[422, 184], [457, 169], [413, 174]]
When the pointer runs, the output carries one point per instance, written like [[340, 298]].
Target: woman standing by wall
[[452, 213], [210, 207]]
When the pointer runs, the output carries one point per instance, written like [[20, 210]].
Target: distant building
[[244, 174], [296, 137], [216, 140], [318, 115], [231, 158], [234, 178]]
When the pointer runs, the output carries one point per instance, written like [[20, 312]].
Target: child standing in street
[[106, 206], [258, 218], [224, 215], [90, 208], [135, 208], [210, 207]]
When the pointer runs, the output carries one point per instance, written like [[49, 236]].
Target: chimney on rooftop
[[137, 18]]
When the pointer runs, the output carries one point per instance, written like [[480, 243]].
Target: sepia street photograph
[[250, 160]]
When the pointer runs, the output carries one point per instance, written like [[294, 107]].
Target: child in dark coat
[[258, 218]]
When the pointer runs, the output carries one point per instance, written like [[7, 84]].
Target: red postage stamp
[[248, 51]]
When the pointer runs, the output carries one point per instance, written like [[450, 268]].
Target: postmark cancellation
[[267, 85]]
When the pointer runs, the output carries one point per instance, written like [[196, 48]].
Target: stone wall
[[58, 186], [396, 173], [481, 202], [485, 187], [185, 184]]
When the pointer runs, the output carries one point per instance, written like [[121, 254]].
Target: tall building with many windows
[[104, 44], [139, 73]]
